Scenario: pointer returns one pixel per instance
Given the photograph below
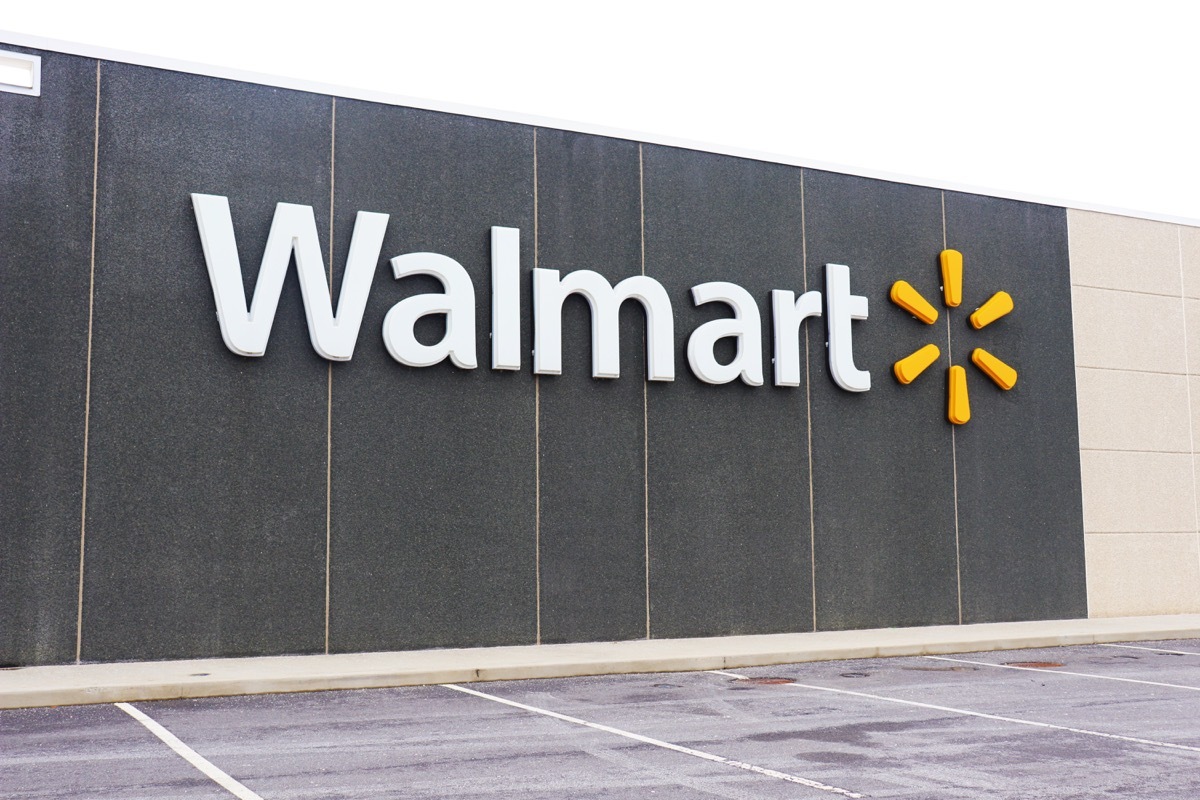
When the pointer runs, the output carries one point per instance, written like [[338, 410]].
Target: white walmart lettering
[[294, 232]]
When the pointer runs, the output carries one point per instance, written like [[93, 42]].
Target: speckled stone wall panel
[[1020, 511], [46, 149], [883, 472], [206, 474], [593, 519], [433, 479], [728, 471], [286, 504]]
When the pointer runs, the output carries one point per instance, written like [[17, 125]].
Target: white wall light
[[20, 73]]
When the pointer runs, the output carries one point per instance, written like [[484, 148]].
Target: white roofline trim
[[388, 98]]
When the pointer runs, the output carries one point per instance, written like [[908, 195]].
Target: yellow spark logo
[[910, 367]]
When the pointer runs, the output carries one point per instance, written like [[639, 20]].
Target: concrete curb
[[79, 684]]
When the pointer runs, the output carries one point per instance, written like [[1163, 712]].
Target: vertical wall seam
[[329, 378], [957, 548], [1079, 401], [645, 393], [328, 492], [537, 434], [953, 446], [812, 515], [1187, 377], [87, 388]]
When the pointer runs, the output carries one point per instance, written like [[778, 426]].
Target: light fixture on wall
[[20, 73]]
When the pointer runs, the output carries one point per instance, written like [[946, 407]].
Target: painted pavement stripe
[[191, 756], [1068, 672], [659, 743], [979, 714], [1151, 649]]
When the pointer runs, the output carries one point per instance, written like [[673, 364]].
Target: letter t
[[842, 308]]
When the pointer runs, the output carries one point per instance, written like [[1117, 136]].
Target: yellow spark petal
[[1001, 374], [908, 298], [996, 307], [908, 368], [952, 277], [959, 406]]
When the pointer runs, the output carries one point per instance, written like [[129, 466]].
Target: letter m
[[550, 290], [293, 230]]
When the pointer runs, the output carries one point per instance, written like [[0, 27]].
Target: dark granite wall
[[47, 145], [222, 505]]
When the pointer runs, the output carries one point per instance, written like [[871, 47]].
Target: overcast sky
[[1093, 104]]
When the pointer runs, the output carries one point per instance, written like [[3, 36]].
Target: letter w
[[294, 229]]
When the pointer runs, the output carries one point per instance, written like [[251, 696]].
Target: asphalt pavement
[[1105, 720]]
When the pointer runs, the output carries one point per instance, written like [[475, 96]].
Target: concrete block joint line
[[163, 680]]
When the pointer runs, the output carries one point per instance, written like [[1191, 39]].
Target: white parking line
[[1068, 672], [191, 756], [1152, 649], [980, 714], [783, 776]]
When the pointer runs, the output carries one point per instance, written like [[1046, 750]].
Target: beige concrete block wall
[[1135, 295]]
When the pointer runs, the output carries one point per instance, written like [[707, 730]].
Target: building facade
[[165, 495]]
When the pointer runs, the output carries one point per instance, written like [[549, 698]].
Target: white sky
[[1093, 104]]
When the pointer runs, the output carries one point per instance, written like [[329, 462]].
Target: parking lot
[[1071, 722]]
